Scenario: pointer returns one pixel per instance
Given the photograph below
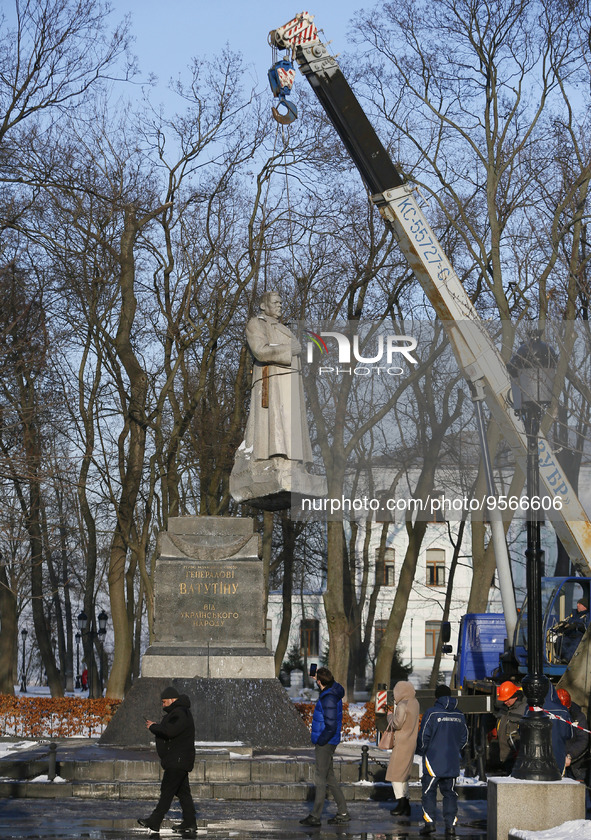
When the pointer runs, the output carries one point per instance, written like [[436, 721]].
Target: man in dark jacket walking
[[326, 734], [442, 736], [175, 744]]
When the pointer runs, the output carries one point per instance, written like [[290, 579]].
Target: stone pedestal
[[209, 642], [253, 712], [533, 806], [208, 602]]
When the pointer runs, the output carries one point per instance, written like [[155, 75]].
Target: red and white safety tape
[[553, 716]]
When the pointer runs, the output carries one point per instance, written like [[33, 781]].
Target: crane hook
[[281, 78], [290, 115]]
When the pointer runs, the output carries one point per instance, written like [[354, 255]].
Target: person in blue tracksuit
[[442, 736], [326, 734]]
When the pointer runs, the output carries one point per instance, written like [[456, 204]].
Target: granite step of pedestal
[[95, 773], [294, 792], [206, 771]]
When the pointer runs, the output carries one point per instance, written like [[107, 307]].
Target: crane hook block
[[281, 79], [290, 115]]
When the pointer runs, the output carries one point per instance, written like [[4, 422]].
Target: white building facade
[[424, 613]]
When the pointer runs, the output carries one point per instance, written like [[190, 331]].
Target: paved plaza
[[239, 820]]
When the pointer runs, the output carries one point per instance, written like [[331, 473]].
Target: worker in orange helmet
[[506, 691], [512, 711], [577, 746]]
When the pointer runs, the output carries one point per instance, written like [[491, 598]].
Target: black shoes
[[429, 828], [339, 819], [147, 824], [402, 808], [185, 829], [311, 820]]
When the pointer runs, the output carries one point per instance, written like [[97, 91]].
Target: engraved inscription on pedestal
[[209, 601], [217, 603]]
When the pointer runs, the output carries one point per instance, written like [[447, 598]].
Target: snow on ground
[[572, 830], [45, 778], [43, 691], [7, 747]]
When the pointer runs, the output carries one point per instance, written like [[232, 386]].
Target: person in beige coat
[[405, 722]]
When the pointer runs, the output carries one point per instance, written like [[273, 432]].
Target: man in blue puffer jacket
[[326, 734], [442, 736]]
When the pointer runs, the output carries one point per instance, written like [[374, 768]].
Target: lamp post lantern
[[103, 618], [532, 369], [23, 688]]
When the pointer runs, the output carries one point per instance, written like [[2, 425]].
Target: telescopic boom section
[[476, 353], [344, 111]]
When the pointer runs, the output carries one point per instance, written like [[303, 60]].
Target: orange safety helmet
[[564, 697], [507, 690]]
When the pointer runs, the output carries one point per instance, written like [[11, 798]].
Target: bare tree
[[51, 54]]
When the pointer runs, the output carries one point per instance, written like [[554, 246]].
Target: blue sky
[[168, 34]]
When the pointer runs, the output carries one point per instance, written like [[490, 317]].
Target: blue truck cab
[[480, 646], [482, 637]]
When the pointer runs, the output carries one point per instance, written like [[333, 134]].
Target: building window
[[389, 568], [309, 637], [432, 629], [379, 633], [269, 633], [438, 515], [435, 567]]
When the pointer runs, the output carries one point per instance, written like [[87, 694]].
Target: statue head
[[270, 304]]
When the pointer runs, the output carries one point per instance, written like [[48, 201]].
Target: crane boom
[[475, 351]]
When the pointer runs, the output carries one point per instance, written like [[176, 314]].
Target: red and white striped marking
[[552, 716], [381, 702], [286, 77], [300, 30]]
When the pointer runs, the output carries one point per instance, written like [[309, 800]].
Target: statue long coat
[[281, 428]]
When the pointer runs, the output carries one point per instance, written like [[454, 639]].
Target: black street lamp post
[[23, 689], [77, 637], [102, 631], [532, 369], [103, 618]]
